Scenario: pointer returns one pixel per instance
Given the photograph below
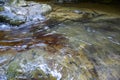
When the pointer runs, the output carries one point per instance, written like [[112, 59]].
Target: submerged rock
[[71, 14], [101, 46], [77, 47], [5, 59], [29, 68], [41, 64]]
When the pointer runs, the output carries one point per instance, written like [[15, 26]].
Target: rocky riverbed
[[41, 41]]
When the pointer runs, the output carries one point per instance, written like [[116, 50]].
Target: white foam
[[4, 27]]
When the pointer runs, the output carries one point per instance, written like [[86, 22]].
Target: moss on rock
[[1, 9], [12, 70]]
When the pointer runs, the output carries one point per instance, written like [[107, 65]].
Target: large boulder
[[39, 64], [21, 13]]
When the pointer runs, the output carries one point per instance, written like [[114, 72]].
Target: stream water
[[99, 41]]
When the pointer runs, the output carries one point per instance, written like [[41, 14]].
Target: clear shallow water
[[101, 46], [86, 34], [93, 50]]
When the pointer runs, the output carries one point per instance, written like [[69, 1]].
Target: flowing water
[[99, 41], [101, 46]]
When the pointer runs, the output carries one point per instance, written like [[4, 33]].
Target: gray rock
[[10, 17], [31, 66], [31, 11]]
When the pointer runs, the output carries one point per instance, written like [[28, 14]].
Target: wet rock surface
[[29, 12], [98, 45], [72, 44]]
